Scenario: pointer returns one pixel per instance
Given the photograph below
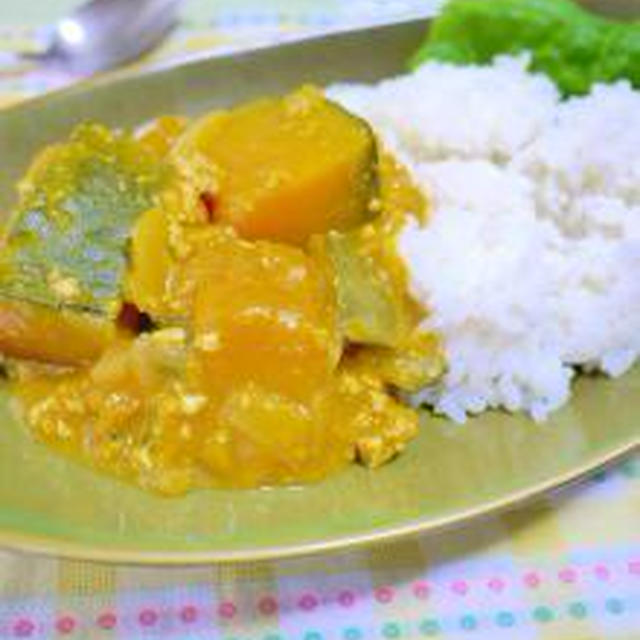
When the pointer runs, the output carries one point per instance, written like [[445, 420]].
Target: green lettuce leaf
[[573, 46]]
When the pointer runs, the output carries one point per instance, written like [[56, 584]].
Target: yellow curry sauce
[[267, 345]]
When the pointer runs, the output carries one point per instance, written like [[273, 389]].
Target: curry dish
[[216, 302]]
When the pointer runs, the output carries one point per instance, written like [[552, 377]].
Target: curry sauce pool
[[277, 320]]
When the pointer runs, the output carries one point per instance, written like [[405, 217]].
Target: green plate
[[449, 474]]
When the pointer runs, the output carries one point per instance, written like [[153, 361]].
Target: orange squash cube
[[36, 332], [263, 313], [287, 168]]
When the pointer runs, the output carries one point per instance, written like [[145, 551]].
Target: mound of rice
[[530, 263]]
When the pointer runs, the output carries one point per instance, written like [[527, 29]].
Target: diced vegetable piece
[[399, 195], [371, 309], [264, 314], [574, 47], [379, 425], [416, 362], [150, 262], [160, 134], [122, 414], [269, 439], [287, 167], [144, 364], [66, 242], [36, 332]]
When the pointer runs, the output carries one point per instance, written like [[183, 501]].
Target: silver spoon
[[102, 34]]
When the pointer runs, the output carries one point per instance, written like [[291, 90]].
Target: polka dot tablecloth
[[566, 569]]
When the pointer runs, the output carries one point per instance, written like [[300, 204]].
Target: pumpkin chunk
[[66, 241], [150, 261], [65, 246], [286, 168], [160, 134], [265, 438], [36, 332], [371, 309], [261, 314]]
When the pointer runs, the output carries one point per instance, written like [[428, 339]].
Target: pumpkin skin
[[286, 168]]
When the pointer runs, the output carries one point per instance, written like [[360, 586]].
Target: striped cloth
[[566, 569]]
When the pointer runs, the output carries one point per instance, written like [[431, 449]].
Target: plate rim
[[51, 546], [153, 67]]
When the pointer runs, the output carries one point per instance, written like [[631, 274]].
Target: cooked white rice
[[530, 263]]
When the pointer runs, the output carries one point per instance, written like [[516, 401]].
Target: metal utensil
[[102, 34]]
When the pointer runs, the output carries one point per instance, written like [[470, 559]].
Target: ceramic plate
[[448, 475]]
